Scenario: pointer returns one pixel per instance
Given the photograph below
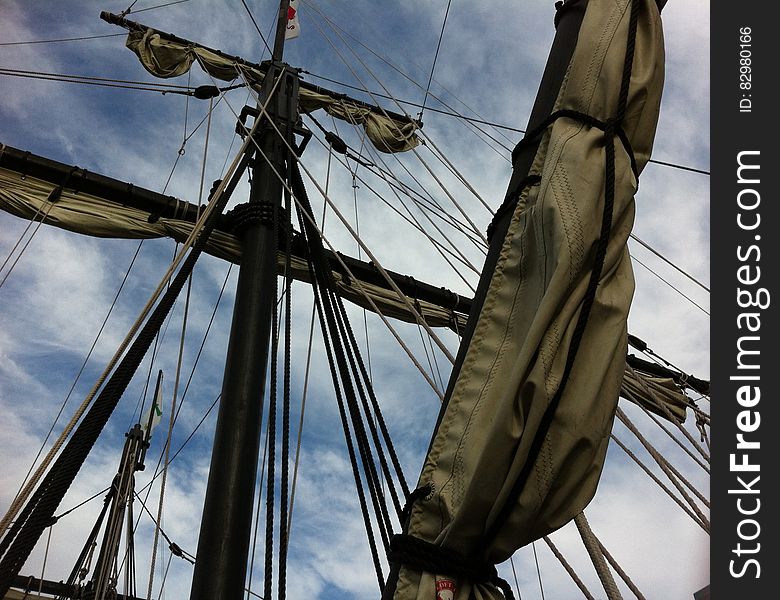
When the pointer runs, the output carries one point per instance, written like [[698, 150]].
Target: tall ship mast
[[293, 289]]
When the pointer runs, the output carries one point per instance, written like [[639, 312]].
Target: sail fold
[[502, 471], [165, 58], [29, 198]]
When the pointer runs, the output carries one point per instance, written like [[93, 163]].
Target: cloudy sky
[[491, 58]]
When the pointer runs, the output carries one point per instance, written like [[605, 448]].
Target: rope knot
[[610, 128]]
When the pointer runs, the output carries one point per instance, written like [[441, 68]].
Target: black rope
[[611, 130], [509, 203], [435, 57], [513, 196], [284, 488], [369, 465], [249, 213], [420, 492], [420, 555], [322, 275], [271, 481], [377, 412], [19, 541]]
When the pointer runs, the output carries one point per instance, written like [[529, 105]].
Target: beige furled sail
[[30, 198], [501, 471], [165, 57], [658, 394]]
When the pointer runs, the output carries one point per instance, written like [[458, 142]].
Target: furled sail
[[32, 198], [69, 206], [520, 445], [165, 56]]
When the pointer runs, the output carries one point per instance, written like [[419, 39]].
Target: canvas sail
[[70, 207], [29, 198], [498, 474], [165, 57]]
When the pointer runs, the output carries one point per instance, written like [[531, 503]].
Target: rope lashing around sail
[[425, 556], [19, 541], [612, 128]]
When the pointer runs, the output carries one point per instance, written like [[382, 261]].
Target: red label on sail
[[445, 588], [293, 27]]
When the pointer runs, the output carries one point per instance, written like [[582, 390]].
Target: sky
[[488, 67]]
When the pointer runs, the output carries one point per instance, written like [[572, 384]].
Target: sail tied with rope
[[521, 442], [165, 56]]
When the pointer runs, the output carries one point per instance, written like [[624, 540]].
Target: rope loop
[[420, 555], [420, 492], [250, 213]]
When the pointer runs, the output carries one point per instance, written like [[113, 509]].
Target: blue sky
[[491, 59]]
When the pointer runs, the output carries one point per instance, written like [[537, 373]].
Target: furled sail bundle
[[68, 207], [520, 445], [54, 193], [165, 56]]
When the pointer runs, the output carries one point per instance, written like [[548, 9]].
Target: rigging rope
[[54, 41], [597, 557], [26, 244], [455, 252], [538, 570], [452, 112], [256, 527], [174, 411], [426, 205], [344, 357], [147, 87], [660, 483], [435, 57], [155, 7], [413, 150], [22, 496], [22, 236], [26, 487], [670, 263], [346, 269], [688, 298], [623, 575], [20, 539], [673, 474], [308, 365], [169, 436], [284, 488], [4, 523], [514, 574], [252, 18], [668, 432], [572, 573]]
